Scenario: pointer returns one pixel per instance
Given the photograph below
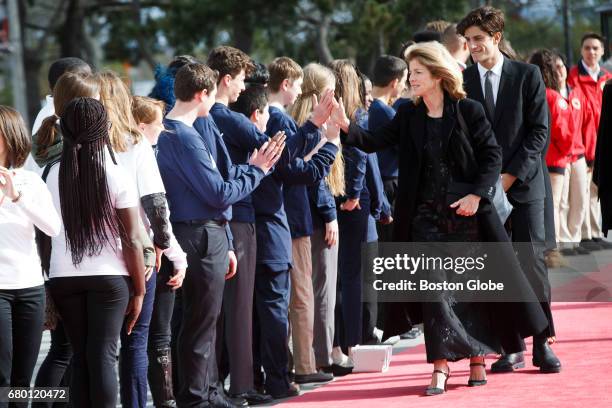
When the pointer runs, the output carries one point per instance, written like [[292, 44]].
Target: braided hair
[[90, 221]]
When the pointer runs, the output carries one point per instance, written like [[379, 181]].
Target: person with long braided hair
[[97, 252]]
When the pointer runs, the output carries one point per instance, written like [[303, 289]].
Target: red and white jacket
[[593, 91], [561, 138], [576, 102]]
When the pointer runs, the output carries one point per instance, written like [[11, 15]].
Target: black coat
[[602, 169], [407, 130], [520, 124]]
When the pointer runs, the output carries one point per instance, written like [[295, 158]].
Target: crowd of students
[[214, 228]]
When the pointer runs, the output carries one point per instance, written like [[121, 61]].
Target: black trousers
[[21, 320], [235, 329], [206, 246], [54, 371], [92, 309], [528, 226]]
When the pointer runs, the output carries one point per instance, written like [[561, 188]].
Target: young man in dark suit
[[514, 98]]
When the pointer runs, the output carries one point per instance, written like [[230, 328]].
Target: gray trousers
[[324, 280], [237, 321]]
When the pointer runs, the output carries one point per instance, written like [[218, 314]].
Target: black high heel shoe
[[429, 391], [476, 383]]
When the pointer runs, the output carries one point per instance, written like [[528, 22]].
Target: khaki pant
[[556, 183], [574, 203], [301, 306], [591, 227]]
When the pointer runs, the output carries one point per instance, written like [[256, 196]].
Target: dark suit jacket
[[520, 124], [407, 132], [602, 169]]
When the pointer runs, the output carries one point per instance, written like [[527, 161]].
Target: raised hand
[[268, 154], [322, 109]]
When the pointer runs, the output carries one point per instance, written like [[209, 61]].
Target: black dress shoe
[[590, 245], [318, 377], [544, 357], [337, 370], [568, 251], [508, 363], [218, 399], [581, 250], [253, 397], [603, 243], [292, 391]]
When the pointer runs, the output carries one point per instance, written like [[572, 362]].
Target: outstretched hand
[[322, 109]]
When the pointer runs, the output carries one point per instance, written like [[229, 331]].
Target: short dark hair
[[386, 69], [594, 36], [426, 36], [251, 99], [259, 76], [194, 77], [70, 64], [229, 61], [180, 61], [487, 18], [16, 138], [402, 50]]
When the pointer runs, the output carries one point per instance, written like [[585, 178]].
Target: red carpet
[[584, 345]]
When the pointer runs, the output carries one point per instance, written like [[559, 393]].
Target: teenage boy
[[274, 251], [388, 82], [200, 202], [590, 78], [514, 98], [241, 137]]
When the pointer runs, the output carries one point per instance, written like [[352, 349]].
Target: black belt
[[220, 223]]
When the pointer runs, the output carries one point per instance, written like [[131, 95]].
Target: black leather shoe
[[603, 243], [568, 251], [292, 391], [508, 363], [337, 370], [318, 377], [590, 245], [253, 397], [545, 358], [218, 399], [581, 250]]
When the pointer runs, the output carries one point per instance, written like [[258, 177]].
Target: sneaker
[[318, 377], [412, 334]]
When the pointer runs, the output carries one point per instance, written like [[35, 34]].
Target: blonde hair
[[438, 61], [145, 109], [317, 78], [117, 100]]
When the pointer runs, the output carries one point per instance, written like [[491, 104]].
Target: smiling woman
[[435, 155]]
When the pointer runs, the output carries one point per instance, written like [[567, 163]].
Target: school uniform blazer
[[520, 124]]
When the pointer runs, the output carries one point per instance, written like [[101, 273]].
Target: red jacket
[[576, 103], [593, 90], [561, 140]]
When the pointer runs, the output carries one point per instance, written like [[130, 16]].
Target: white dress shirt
[[495, 77], [593, 73]]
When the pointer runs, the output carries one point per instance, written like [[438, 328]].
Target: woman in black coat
[[432, 150]]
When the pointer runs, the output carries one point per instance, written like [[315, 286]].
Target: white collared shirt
[[593, 73], [495, 78]]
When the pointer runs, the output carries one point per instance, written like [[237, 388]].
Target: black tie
[[489, 100]]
